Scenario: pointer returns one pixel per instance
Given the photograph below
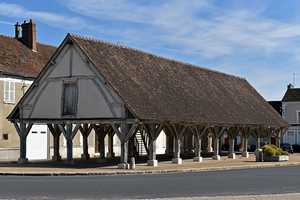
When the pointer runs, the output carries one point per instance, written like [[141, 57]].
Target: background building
[[21, 59], [291, 113]]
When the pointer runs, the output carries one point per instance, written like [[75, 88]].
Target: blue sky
[[258, 39]]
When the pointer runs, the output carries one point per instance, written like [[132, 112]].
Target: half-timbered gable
[[71, 80]]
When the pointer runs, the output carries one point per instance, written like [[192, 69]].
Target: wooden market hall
[[90, 85]]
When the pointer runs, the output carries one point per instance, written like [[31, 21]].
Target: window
[[5, 136], [9, 92], [70, 98]]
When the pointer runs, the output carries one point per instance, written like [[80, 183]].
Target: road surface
[[220, 183]]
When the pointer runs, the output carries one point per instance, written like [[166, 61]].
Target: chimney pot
[[17, 30], [29, 34]]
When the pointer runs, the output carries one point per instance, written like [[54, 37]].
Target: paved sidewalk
[[96, 168], [293, 196]]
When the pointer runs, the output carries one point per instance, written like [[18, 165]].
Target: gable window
[[70, 99], [9, 92]]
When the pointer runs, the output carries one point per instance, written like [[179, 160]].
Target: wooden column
[[199, 132], [101, 131], [209, 143], [245, 133], [232, 133], [124, 132], [96, 144], [278, 135], [217, 133], [85, 131], [153, 130], [258, 143], [56, 132], [110, 153], [69, 132], [22, 130], [231, 148], [169, 142], [177, 131]]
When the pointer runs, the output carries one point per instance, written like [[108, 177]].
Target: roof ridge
[[93, 39], [7, 36], [13, 38]]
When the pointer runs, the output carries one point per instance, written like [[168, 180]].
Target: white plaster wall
[[95, 98]]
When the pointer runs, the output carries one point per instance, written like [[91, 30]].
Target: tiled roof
[[292, 94], [16, 59], [156, 88]]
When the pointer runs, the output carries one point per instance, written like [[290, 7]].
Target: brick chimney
[[26, 33]]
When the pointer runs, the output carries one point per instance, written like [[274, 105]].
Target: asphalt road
[[235, 182]]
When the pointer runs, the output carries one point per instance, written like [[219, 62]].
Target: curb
[[144, 172]]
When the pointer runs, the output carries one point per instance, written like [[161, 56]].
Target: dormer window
[[70, 99], [9, 92]]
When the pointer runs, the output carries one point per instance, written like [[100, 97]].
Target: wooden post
[[258, 142], [69, 132], [55, 131], [278, 134], [111, 153], [177, 131], [245, 135], [232, 133], [169, 143], [101, 131], [231, 148], [69, 143], [124, 132], [209, 143], [22, 130], [217, 133], [198, 132], [85, 130], [153, 130]]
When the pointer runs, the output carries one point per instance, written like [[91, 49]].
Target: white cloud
[[182, 24], [241, 39], [56, 20]]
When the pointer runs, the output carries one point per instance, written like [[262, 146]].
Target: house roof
[[292, 95], [277, 105], [16, 59], [156, 88], [160, 89]]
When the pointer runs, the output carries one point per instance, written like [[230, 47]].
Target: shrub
[[272, 150]]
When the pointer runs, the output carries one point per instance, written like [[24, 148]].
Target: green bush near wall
[[272, 150]]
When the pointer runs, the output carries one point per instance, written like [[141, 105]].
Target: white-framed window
[[9, 91]]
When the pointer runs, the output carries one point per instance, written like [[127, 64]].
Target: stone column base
[[85, 156], [245, 154], [216, 157], [22, 160], [231, 155], [177, 161], [198, 159], [153, 163], [123, 166], [56, 158]]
